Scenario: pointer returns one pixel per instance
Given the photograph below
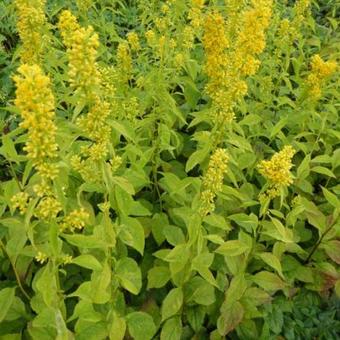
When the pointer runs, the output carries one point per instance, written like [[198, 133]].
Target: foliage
[[169, 169]]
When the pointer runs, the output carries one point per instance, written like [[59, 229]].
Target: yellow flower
[[35, 102], [41, 257], [20, 201], [150, 37], [133, 40], [277, 170], [320, 71], [124, 60], [75, 220], [82, 45], [67, 259], [48, 208], [31, 24], [213, 180], [215, 43]]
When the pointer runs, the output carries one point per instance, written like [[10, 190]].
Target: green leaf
[[129, 275], [118, 328], [268, 281], [199, 291], [132, 233], [158, 277], [197, 157], [172, 329], [174, 235], [195, 315], [332, 249], [6, 300], [331, 198], [87, 261], [272, 261], [278, 231], [124, 184], [248, 222], [232, 248], [141, 326], [100, 285], [323, 171], [83, 241], [231, 316], [172, 303]]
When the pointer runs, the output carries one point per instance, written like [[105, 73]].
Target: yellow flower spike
[[124, 59], [150, 37], [277, 170], [213, 180], [35, 101], [215, 44], [82, 45], [31, 23], [320, 70], [133, 41]]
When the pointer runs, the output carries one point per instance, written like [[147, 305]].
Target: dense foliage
[[169, 169]]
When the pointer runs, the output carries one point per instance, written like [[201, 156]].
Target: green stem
[[15, 272], [317, 244]]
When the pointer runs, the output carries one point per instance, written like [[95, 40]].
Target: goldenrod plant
[[169, 169]]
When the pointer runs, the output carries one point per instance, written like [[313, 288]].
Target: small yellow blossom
[[320, 71], [48, 208], [76, 220], [41, 257], [213, 180], [277, 170], [82, 45], [150, 37], [31, 24], [124, 60], [20, 201], [188, 37], [35, 101], [133, 40], [67, 259]]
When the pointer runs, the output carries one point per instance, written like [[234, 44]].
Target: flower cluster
[[133, 40], [320, 71], [20, 201], [277, 170], [76, 220], [94, 86], [300, 13], [35, 102], [215, 43], [48, 208], [213, 180], [31, 24], [251, 38], [82, 44], [124, 60], [227, 66], [195, 13]]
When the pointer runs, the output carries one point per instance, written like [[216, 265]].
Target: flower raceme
[[277, 170], [213, 180], [227, 65], [31, 23], [82, 44], [320, 70], [35, 102]]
